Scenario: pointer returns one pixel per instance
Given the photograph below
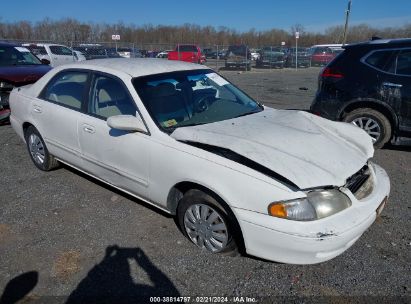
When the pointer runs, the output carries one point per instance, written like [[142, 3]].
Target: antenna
[[347, 16]]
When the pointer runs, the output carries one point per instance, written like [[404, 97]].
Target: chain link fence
[[216, 56]]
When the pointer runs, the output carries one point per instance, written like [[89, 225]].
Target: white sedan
[[281, 185]]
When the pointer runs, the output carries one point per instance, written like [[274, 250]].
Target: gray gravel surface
[[82, 238]]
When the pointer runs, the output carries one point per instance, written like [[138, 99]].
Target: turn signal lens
[[277, 210]]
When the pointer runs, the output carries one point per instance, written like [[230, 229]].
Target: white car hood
[[308, 150]]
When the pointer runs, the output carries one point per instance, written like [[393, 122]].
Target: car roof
[[41, 44], [4, 43], [382, 42], [135, 67]]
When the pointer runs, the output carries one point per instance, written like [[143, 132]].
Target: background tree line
[[71, 30]]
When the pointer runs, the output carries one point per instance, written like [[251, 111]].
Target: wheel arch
[[26, 125], [179, 189], [177, 192], [379, 106]]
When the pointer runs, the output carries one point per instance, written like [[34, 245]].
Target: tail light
[[329, 72]]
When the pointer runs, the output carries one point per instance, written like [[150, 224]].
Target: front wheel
[[373, 122], [38, 151], [206, 223]]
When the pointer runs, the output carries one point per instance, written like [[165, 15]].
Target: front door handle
[[392, 85], [89, 129], [37, 109]]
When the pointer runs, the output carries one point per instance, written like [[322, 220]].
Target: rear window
[[238, 50], [187, 48], [37, 50], [382, 60]]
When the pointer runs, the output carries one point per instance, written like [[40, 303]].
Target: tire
[[195, 228], [38, 151], [379, 127]]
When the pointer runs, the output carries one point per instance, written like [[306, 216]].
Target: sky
[[314, 15]]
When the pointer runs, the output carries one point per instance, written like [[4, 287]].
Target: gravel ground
[[65, 236]]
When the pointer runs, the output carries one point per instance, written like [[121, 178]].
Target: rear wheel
[[38, 151], [373, 122], [206, 223]]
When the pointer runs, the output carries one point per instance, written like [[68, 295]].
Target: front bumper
[[317, 241], [4, 106], [268, 63], [237, 64]]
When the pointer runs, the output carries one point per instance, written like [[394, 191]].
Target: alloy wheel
[[370, 126]]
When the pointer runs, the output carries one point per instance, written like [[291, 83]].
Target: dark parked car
[[369, 85], [18, 67], [238, 56], [273, 57], [93, 52], [303, 58]]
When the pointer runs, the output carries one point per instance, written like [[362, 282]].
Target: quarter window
[[67, 89], [109, 97], [382, 60], [404, 63]]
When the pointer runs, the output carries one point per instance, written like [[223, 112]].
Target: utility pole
[[347, 16]]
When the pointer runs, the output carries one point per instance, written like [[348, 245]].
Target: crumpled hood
[[306, 149]]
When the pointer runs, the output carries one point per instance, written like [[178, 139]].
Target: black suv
[[238, 56], [369, 85]]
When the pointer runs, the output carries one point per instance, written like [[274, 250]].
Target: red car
[[188, 53], [18, 67], [321, 56]]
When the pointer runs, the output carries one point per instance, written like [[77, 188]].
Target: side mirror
[[45, 61], [126, 123]]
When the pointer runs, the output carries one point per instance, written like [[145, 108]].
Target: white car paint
[[307, 150]]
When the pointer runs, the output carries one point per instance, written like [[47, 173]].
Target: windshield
[[274, 49], [188, 98], [10, 55]]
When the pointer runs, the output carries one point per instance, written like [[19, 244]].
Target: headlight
[[317, 205]]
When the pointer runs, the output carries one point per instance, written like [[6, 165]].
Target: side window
[[109, 97], [60, 50], [38, 50], [382, 60], [66, 89], [404, 63]]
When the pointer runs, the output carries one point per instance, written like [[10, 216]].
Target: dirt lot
[[74, 237]]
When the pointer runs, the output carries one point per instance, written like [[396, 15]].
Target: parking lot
[[82, 238]]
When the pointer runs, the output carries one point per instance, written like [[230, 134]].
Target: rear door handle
[[89, 129], [392, 85]]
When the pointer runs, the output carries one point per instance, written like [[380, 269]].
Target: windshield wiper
[[245, 114], [191, 124]]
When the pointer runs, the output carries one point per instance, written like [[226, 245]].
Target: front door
[[118, 157]]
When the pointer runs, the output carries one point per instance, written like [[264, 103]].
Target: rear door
[[403, 80], [394, 82], [56, 112]]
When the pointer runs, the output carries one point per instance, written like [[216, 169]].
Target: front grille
[[358, 179]]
